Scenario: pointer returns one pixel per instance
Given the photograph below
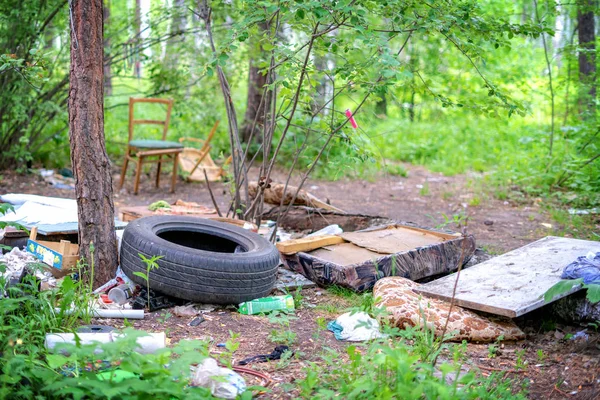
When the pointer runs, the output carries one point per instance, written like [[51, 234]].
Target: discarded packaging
[[222, 382], [328, 230], [120, 294], [586, 267], [574, 211], [267, 304], [185, 311], [16, 265], [62, 256], [355, 327], [119, 279], [146, 344]]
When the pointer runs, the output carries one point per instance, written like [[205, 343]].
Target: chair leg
[[138, 171], [158, 171], [123, 172], [174, 176]]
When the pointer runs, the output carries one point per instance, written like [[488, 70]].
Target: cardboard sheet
[[345, 254], [395, 239]]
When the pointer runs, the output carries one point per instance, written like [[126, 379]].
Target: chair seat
[[155, 144]]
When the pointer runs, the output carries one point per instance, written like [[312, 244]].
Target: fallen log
[[277, 191]]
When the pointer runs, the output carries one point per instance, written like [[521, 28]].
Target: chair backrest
[[164, 123]]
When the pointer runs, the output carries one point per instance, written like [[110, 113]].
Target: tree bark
[[107, 72], [587, 52], [255, 104], [91, 166]]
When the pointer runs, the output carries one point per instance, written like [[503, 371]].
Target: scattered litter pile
[[18, 263], [62, 179]]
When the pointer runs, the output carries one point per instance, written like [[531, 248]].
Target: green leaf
[[560, 288], [56, 360], [141, 275], [593, 292], [300, 14]]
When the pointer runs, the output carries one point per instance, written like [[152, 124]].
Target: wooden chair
[[150, 151], [194, 162]]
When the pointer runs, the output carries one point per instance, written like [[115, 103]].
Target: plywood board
[[395, 239], [345, 254], [514, 283]]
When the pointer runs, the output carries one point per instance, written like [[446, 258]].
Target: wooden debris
[[276, 191], [307, 243]]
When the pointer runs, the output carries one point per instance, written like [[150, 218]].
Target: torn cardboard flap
[[395, 238]]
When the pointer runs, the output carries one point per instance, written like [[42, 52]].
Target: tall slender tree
[[91, 166], [587, 48], [137, 68]]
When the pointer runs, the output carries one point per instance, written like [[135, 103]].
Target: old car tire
[[202, 260]]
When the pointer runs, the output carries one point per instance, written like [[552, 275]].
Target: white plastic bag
[[228, 386], [355, 327]]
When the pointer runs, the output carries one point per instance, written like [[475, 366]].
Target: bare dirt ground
[[554, 366]]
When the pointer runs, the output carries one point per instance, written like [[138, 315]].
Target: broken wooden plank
[[514, 283], [307, 243]]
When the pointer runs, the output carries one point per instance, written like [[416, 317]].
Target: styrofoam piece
[[146, 344]]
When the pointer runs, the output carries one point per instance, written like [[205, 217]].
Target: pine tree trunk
[[587, 54], [107, 72], [91, 167]]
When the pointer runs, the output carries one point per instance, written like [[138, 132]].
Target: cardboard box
[[61, 256]]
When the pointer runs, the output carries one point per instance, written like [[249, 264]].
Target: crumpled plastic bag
[[222, 382], [355, 327], [586, 267]]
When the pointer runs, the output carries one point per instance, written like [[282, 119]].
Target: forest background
[[504, 90]]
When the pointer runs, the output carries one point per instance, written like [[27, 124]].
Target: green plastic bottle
[[267, 304]]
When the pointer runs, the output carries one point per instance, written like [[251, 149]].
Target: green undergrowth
[[400, 366], [76, 371], [408, 364]]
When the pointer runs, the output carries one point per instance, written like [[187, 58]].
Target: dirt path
[[422, 197]]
